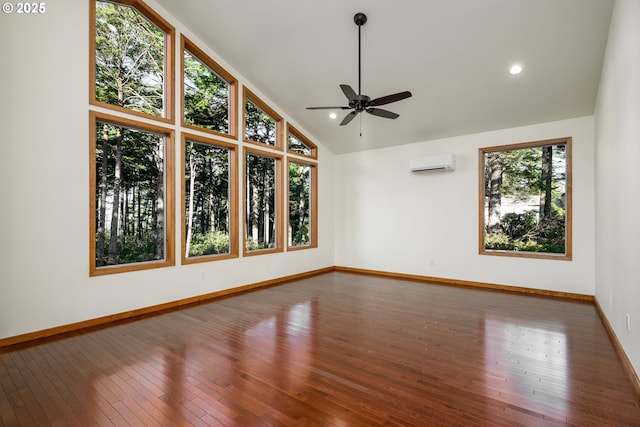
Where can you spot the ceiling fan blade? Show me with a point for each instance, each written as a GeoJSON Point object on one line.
{"type": "Point", "coordinates": [389, 99]}
{"type": "Point", "coordinates": [348, 118]}
{"type": "Point", "coordinates": [348, 92]}
{"type": "Point", "coordinates": [382, 113]}
{"type": "Point", "coordinates": [328, 108]}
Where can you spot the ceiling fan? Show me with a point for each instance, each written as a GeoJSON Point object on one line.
{"type": "Point", "coordinates": [359, 102]}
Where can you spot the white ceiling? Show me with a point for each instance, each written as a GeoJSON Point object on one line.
{"type": "Point", "coordinates": [453, 55]}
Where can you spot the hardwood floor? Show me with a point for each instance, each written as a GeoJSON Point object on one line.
{"type": "Point", "coordinates": [336, 349]}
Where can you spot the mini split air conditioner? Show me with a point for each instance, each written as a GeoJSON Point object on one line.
{"type": "Point", "coordinates": [439, 162]}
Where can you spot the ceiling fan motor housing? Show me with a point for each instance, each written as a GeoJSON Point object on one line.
{"type": "Point", "coordinates": [360, 103]}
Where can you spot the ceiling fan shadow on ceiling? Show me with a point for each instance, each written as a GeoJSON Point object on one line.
{"type": "Point", "coordinates": [359, 102]}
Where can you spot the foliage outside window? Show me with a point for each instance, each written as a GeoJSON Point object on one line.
{"type": "Point", "coordinates": [209, 200]}
{"type": "Point", "coordinates": [131, 195]}
{"type": "Point", "coordinates": [209, 93]}
{"type": "Point", "coordinates": [262, 125]}
{"type": "Point", "coordinates": [299, 144]}
{"type": "Point", "coordinates": [262, 202]}
{"type": "Point", "coordinates": [525, 199]}
{"type": "Point", "coordinates": [302, 218]}
{"type": "Point", "coordinates": [131, 69]}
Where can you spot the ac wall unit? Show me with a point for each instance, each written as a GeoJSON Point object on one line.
{"type": "Point", "coordinates": [439, 162]}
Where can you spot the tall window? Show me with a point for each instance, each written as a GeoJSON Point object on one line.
{"type": "Point", "coordinates": [299, 144]}
{"type": "Point", "coordinates": [209, 93]}
{"type": "Point", "coordinates": [132, 207]}
{"type": "Point", "coordinates": [262, 125]}
{"type": "Point", "coordinates": [262, 202]}
{"type": "Point", "coordinates": [209, 200]}
{"type": "Point", "coordinates": [302, 213]}
{"type": "Point", "coordinates": [525, 199]}
{"type": "Point", "coordinates": [132, 200]}
{"type": "Point", "coordinates": [131, 69]}
{"type": "Point", "coordinates": [131, 195]}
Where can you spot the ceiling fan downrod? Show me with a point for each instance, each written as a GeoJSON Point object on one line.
{"type": "Point", "coordinates": [360, 19]}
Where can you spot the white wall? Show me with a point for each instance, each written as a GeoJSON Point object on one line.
{"type": "Point", "coordinates": [617, 134]}
{"type": "Point", "coordinates": [44, 189]}
{"type": "Point", "coordinates": [390, 219]}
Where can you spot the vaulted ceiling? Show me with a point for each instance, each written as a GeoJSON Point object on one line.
{"type": "Point", "coordinates": [453, 55]}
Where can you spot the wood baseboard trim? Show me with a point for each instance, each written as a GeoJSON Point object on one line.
{"type": "Point", "coordinates": [74, 327]}
{"type": "Point", "coordinates": [469, 284]}
{"type": "Point", "coordinates": [626, 363]}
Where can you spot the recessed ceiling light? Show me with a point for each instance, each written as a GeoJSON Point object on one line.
{"type": "Point", "coordinates": [516, 69]}
{"type": "Point", "coordinates": [332, 115]}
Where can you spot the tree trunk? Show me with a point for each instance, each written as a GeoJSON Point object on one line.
{"type": "Point", "coordinates": [133, 222]}
{"type": "Point", "coordinates": [102, 212]}
{"type": "Point", "coordinates": [124, 210]}
{"type": "Point", "coordinates": [192, 181]}
{"type": "Point", "coordinates": [266, 207]}
{"type": "Point", "coordinates": [302, 211]}
{"type": "Point", "coordinates": [114, 257]}
{"type": "Point", "coordinates": [494, 188]}
{"type": "Point", "coordinates": [160, 220]}
{"type": "Point", "coordinates": [212, 194]}
{"type": "Point", "coordinates": [260, 205]}
{"type": "Point", "coordinates": [546, 179]}
{"type": "Point", "coordinates": [253, 214]}
{"type": "Point", "coordinates": [139, 214]}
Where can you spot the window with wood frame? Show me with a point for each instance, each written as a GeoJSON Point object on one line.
{"type": "Point", "coordinates": [209, 202]}
{"type": "Point", "coordinates": [209, 93]}
{"type": "Point", "coordinates": [261, 124]}
{"type": "Point", "coordinates": [132, 197]}
{"type": "Point", "coordinates": [132, 59]}
{"type": "Point", "coordinates": [299, 144]}
{"type": "Point", "coordinates": [525, 200]}
{"type": "Point", "coordinates": [302, 229]}
{"type": "Point", "coordinates": [263, 215]}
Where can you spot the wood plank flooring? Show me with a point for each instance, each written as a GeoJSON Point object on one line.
{"type": "Point", "coordinates": [333, 350]}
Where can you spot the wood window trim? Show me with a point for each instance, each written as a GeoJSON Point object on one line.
{"type": "Point", "coordinates": [291, 130]}
{"type": "Point", "coordinates": [279, 203]}
{"type": "Point", "coordinates": [169, 70]}
{"type": "Point", "coordinates": [186, 44]}
{"type": "Point", "coordinates": [567, 256]}
{"type": "Point", "coordinates": [233, 199]}
{"type": "Point", "coordinates": [249, 95]}
{"type": "Point", "coordinates": [169, 187]}
{"type": "Point", "coordinates": [314, 205]}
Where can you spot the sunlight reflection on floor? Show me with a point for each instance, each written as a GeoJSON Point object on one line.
{"type": "Point", "coordinates": [527, 365]}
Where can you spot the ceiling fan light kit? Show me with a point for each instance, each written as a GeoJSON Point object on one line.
{"type": "Point", "coordinates": [359, 102]}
